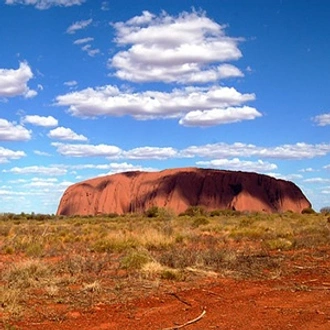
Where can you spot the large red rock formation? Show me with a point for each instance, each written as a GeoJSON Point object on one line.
{"type": "Point", "coordinates": [177, 189]}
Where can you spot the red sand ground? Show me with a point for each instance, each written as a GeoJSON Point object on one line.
{"type": "Point", "coordinates": [300, 300]}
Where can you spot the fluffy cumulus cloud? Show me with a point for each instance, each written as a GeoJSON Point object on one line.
{"type": "Point", "coordinates": [236, 164]}
{"type": "Point", "coordinates": [73, 28]}
{"type": "Point", "coordinates": [63, 133]}
{"type": "Point", "coordinates": [286, 151]}
{"type": "Point", "coordinates": [7, 155]}
{"type": "Point", "coordinates": [108, 151]}
{"type": "Point", "coordinates": [219, 116]}
{"type": "Point", "coordinates": [111, 101]}
{"type": "Point", "coordinates": [45, 4]}
{"type": "Point", "coordinates": [14, 82]}
{"type": "Point", "coordinates": [322, 120]}
{"type": "Point", "coordinates": [86, 150]}
{"type": "Point", "coordinates": [36, 120]}
{"type": "Point", "coordinates": [13, 132]}
{"type": "Point", "coordinates": [189, 48]}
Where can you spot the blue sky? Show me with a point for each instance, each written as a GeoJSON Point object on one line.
{"type": "Point", "coordinates": [89, 88]}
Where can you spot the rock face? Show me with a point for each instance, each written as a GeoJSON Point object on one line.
{"type": "Point", "coordinates": [177, 189]}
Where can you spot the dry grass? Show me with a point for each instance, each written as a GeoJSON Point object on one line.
{"type": "Point", "coordinates": [81, 261]}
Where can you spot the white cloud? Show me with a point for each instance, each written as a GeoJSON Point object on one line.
{"type": "Point", "coordinates": [78, 26]}
{"type": "Point", "coordinates": [71, 83]}
{"type": "Point", "coordinates": [48, 121]}
{"type": "Point", "coordinates": [125, 167]}
{"type": "Point", "coordinates": [5, 193]}
{"type": "Point", "coordinates": [236, 164]}
{"type": "Point", "coordinates": [113, 167]}
{"type": "Point", "coordinates": [45, 4]}
{"type": "Point", "coordinates": [41, 170]}
{"type": "Point", "coordinates": [109, 100]}
{"type": "Point", "coordinates": [86, 46]}
{"type": "Point", "coordinates": [41, 183]}
{"type": "Point", "coordinates": [90, 51]}
{"type": "Point", "coordinates": [325, 192]}
{"type": "Point", "coordinates": [287, 151]}
{"type": "Point", "coordinates": [105, 6]}
{"type": "Point", "coordinates": [308, 169]}
{"type": "Point", "coordinates": [7, 155]}
{"type": "Point", "coordinates": [30, 93]}
{"type": "Point", "coordinates": [83, 41]}
{"type": "Point", "coordinates": [292, 177]}
{"type": "Point", "coordinates": [86, 150]}
{"type": "Point", "coordinates": [219, 116]}
{"type": "Point", "coordinates": [12, 132]}
{"type": "Point", "coordinates": [63, 133]}
{"type": "Point", "coordinates": [14, 82]}
{"type": "Point", "coordinates": [209, 151]}
{"type": "Point", "coordinates": [150, 153]}
{"type": "Point", "coordinates": [182, 49]}
{"type": "Point", "coordinates": [322, 120]}
{"type": "Point", "coordinates": [318, 180]}
{"type": "Point", "coordinates": [41, 153]}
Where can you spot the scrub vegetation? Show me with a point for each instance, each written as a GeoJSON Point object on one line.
{"type": "Point", "coordinates": [82, 261]}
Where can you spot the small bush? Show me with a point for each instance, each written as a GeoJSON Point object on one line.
{"type": "Point", "coordinates": [325, 210]}
{"type": "Point", "coordinates": [225, 212]}
{"type": "Point", "coordinates": [200, 221]}
{"type": "Point", "coordinates": [112, 215]}
{"type": "Point", "coordinates": [171, 274]}
{"type": "Point", "coordinates": [193, 211]}
{"type": "Point", "coordinates": [308, 210]}
{"type": "Point", "coordinates": [34, 250]}
{"type": "Point", "coordinates": [8, 250]}
{"type": "Point", "coordinates": [27, 274]}
{"type": "Point", "coordinates": [134, 260]}
{"type": "Point", "coordinates": [152, 212]}
{"type": "Point", "coordinates": [278, 244]}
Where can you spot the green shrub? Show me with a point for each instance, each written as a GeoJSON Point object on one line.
{"type": "Point", "coordinates": [225, 212]}
{"type": "Point", "coordinates": [152, 212]}
{"type": "Point", "coordinates": [200, 221]}
{"type": "Point", "coordinates": [193, 211]}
